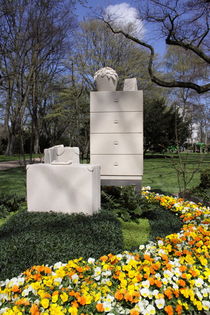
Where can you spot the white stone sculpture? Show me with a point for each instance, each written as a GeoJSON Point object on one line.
{"type": "Point", "coordinates": [106, 79]}
{"type": "Point", "coordinates": [130, 85]}
{"type": "Point", "coordinates": [116, 134]}
{"type": "Point", "coordinates": [61, 155]}
{"type": "Point", "coordinates": [68, 189]}
{"type": "Point", "coordinates": [61, 184]}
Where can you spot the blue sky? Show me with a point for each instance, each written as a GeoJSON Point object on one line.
{"type": "Point", "coordinates": [92, 9]}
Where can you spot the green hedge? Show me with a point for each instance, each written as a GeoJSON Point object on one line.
{"type": "Point", "coordinates": [162, 222]}
{"type": "Point", "coordinates": [45, 238]}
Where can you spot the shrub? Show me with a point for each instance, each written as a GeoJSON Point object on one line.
{"type": "Point", "coordinates": [205, 179]}
{"type": "Point", "coordinates": [163, 222]}
{"type": "Point", "coordinates": [124, 202]}
{"type": "Point", "coordinates": [10, 203]}
{"type": "Point", "coordinates": [44, 238]}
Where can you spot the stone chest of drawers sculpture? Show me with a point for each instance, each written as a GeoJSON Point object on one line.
{"type": "Point", "coordinates": [116, 136]}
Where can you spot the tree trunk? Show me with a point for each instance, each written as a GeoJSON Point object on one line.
{"type": "Point", "coordinates": [36, 142]}
{"type": "Point", "coordinates": [10, 144]}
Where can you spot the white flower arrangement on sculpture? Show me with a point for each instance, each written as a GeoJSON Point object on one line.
{"type": "Point", "coordinates": [106, 79]}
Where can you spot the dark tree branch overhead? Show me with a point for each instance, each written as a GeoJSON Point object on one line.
{"type": "Point", "coordinates": [184, 84]}
{"type": "Point", "coordinates": [185, 24]}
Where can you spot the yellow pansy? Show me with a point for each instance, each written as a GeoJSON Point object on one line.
{"type": "Point", "coordinates": [45, 303]}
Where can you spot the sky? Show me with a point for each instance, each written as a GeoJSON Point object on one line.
{"type": "Point", "coordinates": [124, 8]}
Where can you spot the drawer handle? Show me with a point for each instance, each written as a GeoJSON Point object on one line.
{"type": "Point", "coordinates": [116, 121]}
{"type": "Point", "coordinates": [116, 100]}
{"type": "Point", "coordinates": [116, 142]}
{"type": "Point", "coordinates": [115, 163]}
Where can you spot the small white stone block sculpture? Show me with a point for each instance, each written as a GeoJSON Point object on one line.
{"type": "Point", "coordinates": [61, 155]}
{"type": "Point", "coordinates": [106, 79]}
{"type": "Point", "coordinates": [68, 189]}
{"type": "Point", "coordinates": [130, 85]}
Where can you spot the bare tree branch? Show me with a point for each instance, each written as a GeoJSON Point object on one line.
{"type": "Point", "coordinates": [175, 83]}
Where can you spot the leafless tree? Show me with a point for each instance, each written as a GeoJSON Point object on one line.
{"type": "Point", "coordinates": [32, 44]}
{"type": "Point", "coordinates": [182, 23]}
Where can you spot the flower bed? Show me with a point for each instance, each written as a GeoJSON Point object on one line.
{"type": "Point", "coordinates": [169, 276]}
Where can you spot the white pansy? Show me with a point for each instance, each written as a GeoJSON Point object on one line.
{"type": "Point", "coordinates": [145, 284]}
{"type": "Point", "coordinates": [109, 298]}
{"type": "Point", "coordinates": [160, 243]}
{"type": "Point", "coordinates": [177, 272]}
{"type": "Point", "coordinates": [158, 276]}
{"type": "Point", "coordinates": [59, 265]}
{"type": "Point", "coordinates": [199, 282]}
{"type": "Point", "coordinates": [167, 274]}
{"type": "Point", "coordinates": [97, 273]}
{"type": "Point", "coordinates": [106, 273]}
{"type": "Point", "coordinates": [145, 292]}
{"type": "Point", "coordinates": [91, 260]}
{"type": "Point", "coordinates": [75, 278]}
{"type": "Point", "coordinates": [160, 303]}
{"type": "Point", "coordinates": [155, 293]}
{"type": "Point", "coordinates": [4, 296]}
{"type": "Point", "coordinates": [58, 280]}
{"type": "Point", "coordinates": [150, 310]}
{"type": "Point", "coordinates": [26, 291]}
{"type": "Point", "coordinates": [165, 280]}
{"type": "Point", "coordinates": [206, 305]}
{"type": "Point", "coordinates": [3, 310]}
{"type": "Point", "coordinates": [175, 286]}
{"type": "Point", "coordinates": [15, 281]}
{"type": "Point", "coordinates": [107, 306]}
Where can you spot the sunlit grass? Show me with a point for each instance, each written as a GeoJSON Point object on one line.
{"type": "Point", "coordinates": [13, 181]}
{"type": "Point", "coordinates": [159, 173]}
{"type": "Point", "coordinates": [135, 234]}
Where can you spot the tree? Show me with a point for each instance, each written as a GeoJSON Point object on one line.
{"type": "Point", "coordinates": [31, 49]}
{"type": "Point", "coordinates": [162, 126]}
{"type": "Point", "coordinates": [183, 23]}
{"type": "Point", "coordinates": [192, 106]}
{"type": "Point", "coordinates": [96, 47]}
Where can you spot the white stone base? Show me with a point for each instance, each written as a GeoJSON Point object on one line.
{"type": "Point", "coordinates": [63, 188]}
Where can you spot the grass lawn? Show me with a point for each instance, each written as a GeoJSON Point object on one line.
{"type": "Point", "coordinates": [13, 181]}
{"type": "Point", "coordinates": [17, 157]}
{"type": "Point", "coordinates": [160, 174]}
{"type": "Point", "coordinates": [135, 233]}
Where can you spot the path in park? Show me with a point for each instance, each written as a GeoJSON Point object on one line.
{"type": "Point", "coordinates": [13, 164]}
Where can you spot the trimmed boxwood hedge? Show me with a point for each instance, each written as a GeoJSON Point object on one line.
{"type": "Point", "coordinates": [45, 238]}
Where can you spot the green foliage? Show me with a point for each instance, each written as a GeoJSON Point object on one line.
{"type": "Point", "coordinates": [205, 179]}
{"type": "Point", "coordinates": [122, 201]}
{"type": "Point", "coordinates": [141, 220]}
{"type": "Point", "coordinates": [10, 203]}
{"type": "Point", "coordinates": [46, 238]}
{"type": "Point", "coordinates": [160, 125]}
{"type": "Point", "coordinates": [126, 203]}
{"type": "Point", "coordinates": [201, 193]}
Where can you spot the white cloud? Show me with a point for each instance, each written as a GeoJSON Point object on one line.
{"type": "Point", "coordinates": [123, 16]}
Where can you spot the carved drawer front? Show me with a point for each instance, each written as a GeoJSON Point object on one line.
{"type": "Point", "coordinates": [119, 164]}
{"type": "Point", "coordinates": [116, 143]}
{"type": "Point", "coordinates": [116, 101]}
{"type": "Point", "coordinates": [116, 122]}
